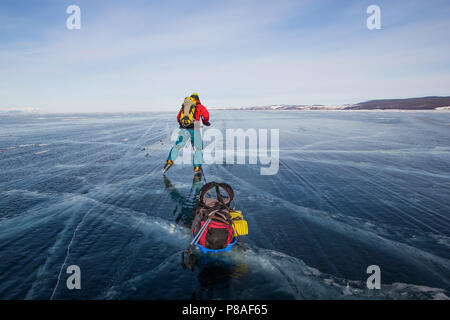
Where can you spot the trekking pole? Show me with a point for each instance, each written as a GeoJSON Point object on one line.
{"type": "Point", "coordinates": [200, 233]}
{"type": "Point", "coordinates": [202, 229]}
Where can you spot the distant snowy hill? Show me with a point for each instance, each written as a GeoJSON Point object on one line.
{"type": "Point", "coordinates": [299, 107]}
{"type": "Point", "coordinates": [424, 103]}
{"type": "Point", "coordinates": [19, 110]}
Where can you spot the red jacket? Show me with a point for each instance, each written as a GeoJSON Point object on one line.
{"type": "Point", "coordinates": [200, 111]}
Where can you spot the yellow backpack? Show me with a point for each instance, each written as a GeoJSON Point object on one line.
{"type": "Point", "coordinates": [187, 112]}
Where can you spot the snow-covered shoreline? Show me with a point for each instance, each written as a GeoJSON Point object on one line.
{"type": "Point", "coordinates": [446, 109]}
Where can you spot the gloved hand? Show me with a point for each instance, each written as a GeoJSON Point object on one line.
{"type": "Point", "coordinates": [207, 124]}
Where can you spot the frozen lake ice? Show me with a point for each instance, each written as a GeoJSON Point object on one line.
{"type": "Point", "coordinates": [353, 189]}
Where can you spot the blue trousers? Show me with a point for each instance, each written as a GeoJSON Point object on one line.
{"type": "Point", "coordinates": [196, 141]}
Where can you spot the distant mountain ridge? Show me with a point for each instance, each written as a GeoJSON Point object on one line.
{"type": "Point", "coordinates": [422, 103]}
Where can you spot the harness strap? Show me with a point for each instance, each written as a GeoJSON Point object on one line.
{"type": "Point", "coordinates": [220, 220]}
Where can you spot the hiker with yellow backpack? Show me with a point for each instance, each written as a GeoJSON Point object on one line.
{"type": "Point", "coordinates": [189, 120]}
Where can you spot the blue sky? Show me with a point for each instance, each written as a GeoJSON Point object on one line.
{"type": "Point", "coordinates": [148, 55]}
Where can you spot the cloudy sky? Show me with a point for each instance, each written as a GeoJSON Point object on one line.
{"type": "Point", "coordinates": [148, 55]}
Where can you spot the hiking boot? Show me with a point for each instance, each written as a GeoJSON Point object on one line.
{"type": "Point", "coordinates": [167, 166]}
